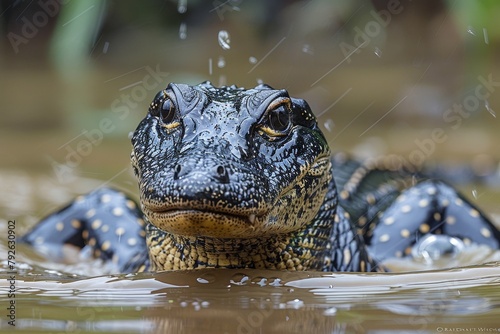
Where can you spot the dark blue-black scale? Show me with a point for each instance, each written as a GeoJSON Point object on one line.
{"type": "Point", "coordinates": [78, 221]}
{"type": "Point", "coordinates": [435, 207]}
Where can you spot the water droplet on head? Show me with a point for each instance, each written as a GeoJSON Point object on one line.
{"type": "Point", "coordinates": [378, 52]}
{"type": "Point", "coordinates": [252, 60]}
{"type": "Point", "coordinates": [183, 31]}
{"type": "Point", "coordinates": [182, 6]}
{"type": "Point", "coordinates": [224, 40]}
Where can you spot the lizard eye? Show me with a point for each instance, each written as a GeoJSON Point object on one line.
{"type": "Point", "coordinates": [164, 109]}
{"type": "Point", "coordinates": [276, 122]}
{"type": "Point", "coordinates": [279, 118]}
{"type": "Point", "coordinates": [167, 111]}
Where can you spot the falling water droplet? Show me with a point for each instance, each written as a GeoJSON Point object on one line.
{"type": "Point", "coordinates": [105, 48]}
{"type": "Point", "coordinates": [329, 125]}
{"type": "Point", "coordinates": [210, 66]}
{"type": "Point", "coordinates": [234, 6]}
{"type": "Point", "coordinates": [378, 52]}
{"type": "Point", "coordinates": [491, 111]}
{"type": "Point", "coordinates": [222, 80]}
{"type": "Point", "coordinates": [471, 31]}
{"type": "Point", "coordinates": [252, 60]}
{"type": "Point", "coordinates": [474, 193]}
{"type": "Point", "coordinates": [182, 6]}
{"type": "Point", "coordinates": [183, 31]}
{"type": "Point", "coordinates": [486, 39]}
{"type": "Point", "coordinates": [260, 81]}
{"type": "Point", "coordinates": [306, 48]}
{"type": "Point", "coordinates": [224, 40]}
{"type": "Point", "coordinates": [221, 62]}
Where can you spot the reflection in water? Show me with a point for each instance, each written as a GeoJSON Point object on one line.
{"type": "Point", "coordinates": [246, 301]}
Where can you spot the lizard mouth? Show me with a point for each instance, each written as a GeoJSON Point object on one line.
{"type": "Point", "coordinates": [205, 223]}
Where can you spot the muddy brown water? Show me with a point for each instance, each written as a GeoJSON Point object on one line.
{"type": "Point", "coordinates": [83, 298]}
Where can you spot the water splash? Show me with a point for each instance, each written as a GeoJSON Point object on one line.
{"type": "Point", "coordinates": [182, 6]}
{"type": "Point", "coordinates": [239, 279]}
{"type": "Point", "coordinates": [206, 278]}
{"type": "Point", "coordinates": [252, 60]}
{"type": "Point", "coordinates": [490, 110]}
{"type": "Point", "coordinates": [378, 52]}
{"type": "Point", "coordinates": [224, 39]}
{"type": "Point", "coordinates": [262, 281]}
{"type": "Point", "coordinates": [183, 31]}
{"type": "Point", "coordinates": [432, 248]}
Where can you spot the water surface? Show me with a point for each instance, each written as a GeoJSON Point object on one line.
{"type": "Point", "coordinates": [83, 297]}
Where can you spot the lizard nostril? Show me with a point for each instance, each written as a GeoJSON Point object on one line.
{"type": "Point", "coordinates": [177, 170]}
{"type": "Point", "coordinates": [223, 174]}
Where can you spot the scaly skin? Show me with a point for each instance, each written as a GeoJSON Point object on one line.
{"type": "Point", "coordinates": [236, 178]}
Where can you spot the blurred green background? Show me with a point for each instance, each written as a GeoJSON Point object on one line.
{"type": "Point", "coordinates": [383, 76]}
